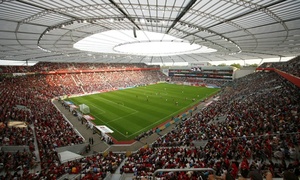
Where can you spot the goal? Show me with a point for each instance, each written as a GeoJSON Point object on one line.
{"type": "Point", "coordinates": [84, 109]}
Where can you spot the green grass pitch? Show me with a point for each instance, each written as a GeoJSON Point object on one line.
{"type": "Point", "coordinates": [129, 112]}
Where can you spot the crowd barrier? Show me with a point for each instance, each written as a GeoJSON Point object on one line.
{"type": "Point", "coordinates": [175, 120]}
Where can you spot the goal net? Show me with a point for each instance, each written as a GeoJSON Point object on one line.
{"type": "Point", "coordinates": [84, 109]}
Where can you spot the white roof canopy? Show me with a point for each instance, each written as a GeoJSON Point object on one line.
{"type": "Point", "coordinates": [42, 30]}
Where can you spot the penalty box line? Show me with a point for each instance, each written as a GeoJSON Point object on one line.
{"type": "Point", "coordinates": [94, 105]}
{"type": "Point", "coordinates": [159, 121]}
{"type": "Point", "coordinates": [116, 119]}
{"type": "Point", "coordinates": [117, 103]}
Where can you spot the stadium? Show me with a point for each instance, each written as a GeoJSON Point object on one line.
{"type": "Point", "coordinates": [119, 90]}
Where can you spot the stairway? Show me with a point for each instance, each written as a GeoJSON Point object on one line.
{"type": "Point", "coordinates": [116, 175]}
{"type": "Point", "coordinates": [36, 152]}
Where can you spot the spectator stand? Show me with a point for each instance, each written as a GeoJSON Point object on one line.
{"type": "Point", "coordinates": [17, 160]}
{"type": "Point", "coordinates": [33, 87]}
{"type": "Point", "coordinates": [19, 152]}
{"type": "Point", "coordinates": [187, 114]}
{"type": "Point", "coordinates": [98, 165]}
{"type": "Point", "coordinates": [253, 99]}
{"type": "Point", "coordinates": [228, 140]}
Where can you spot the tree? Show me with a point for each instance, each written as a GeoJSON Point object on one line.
{"type": "Point", "coordinates": [222, 64]}
{"type": "Point", "coordinates": [236, 65]}
{"type": "Point", "coordinates": [253, 65]}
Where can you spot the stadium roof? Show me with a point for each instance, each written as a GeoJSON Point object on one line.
{"type": "Point", "coordinates": [43, 30]}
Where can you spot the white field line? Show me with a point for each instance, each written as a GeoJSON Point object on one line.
{"type": "Point", "coordinates": [105, 123]}
{"type": "Point", "coordinates": [116, 119]}
{"type": "Point", "coordinates": [137, 132]}
{"type": "Point", "coordinates": [113, 102]}
{"type": "Point", "coordinates": [135, 111]}
{"type": "Point", "coordinates": [96, 107]}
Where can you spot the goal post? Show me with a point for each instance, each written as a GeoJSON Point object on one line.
{"type": "Point", "coordinates": [84, 108]}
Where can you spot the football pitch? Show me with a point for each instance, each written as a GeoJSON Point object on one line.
{"type": "Point", "coordinates": [132, 111]}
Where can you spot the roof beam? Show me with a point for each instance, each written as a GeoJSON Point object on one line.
{"type": "Point", "coordinates": [249, 12]}
{"type": "Point", "coordinates": [41, 7]}
{"type": "Point", "coordinates": [124, 13]}
{"type": "Point", "coordinates": [182, 13]}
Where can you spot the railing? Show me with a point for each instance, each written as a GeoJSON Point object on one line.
{"type": "Point", "coordinates": [14, 149]}
{"type": "Point", "coordinates": [108, 176]}
{"type": "Point", "coordinates": [123, 176]}
{"type": "Point", "coordinates": [180, 170]}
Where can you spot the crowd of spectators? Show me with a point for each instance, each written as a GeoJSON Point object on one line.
{"type": "Point", "coordinates": [15, 136]}
{"type": "Point", "coordinates": [71, 67]}
{"type": "Point", "coordinates": [33, 93]}
{"type": "Point", "coordinates": [50, 127]}
{"type": "Point", "coordinates": [144, 134]}
{"type": "Point", "coordinates": [261, 128]}
{"type": "Point", "coordinates": [17, 161]}
{"type": "Point", "coordinates": [104, 81]}
{"type": "Point", "coordinates": [292, 66]}
{"type": "Point", "coordinates": [96, 166]}
{"type": "Point", "coordinates": [200, 81]}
